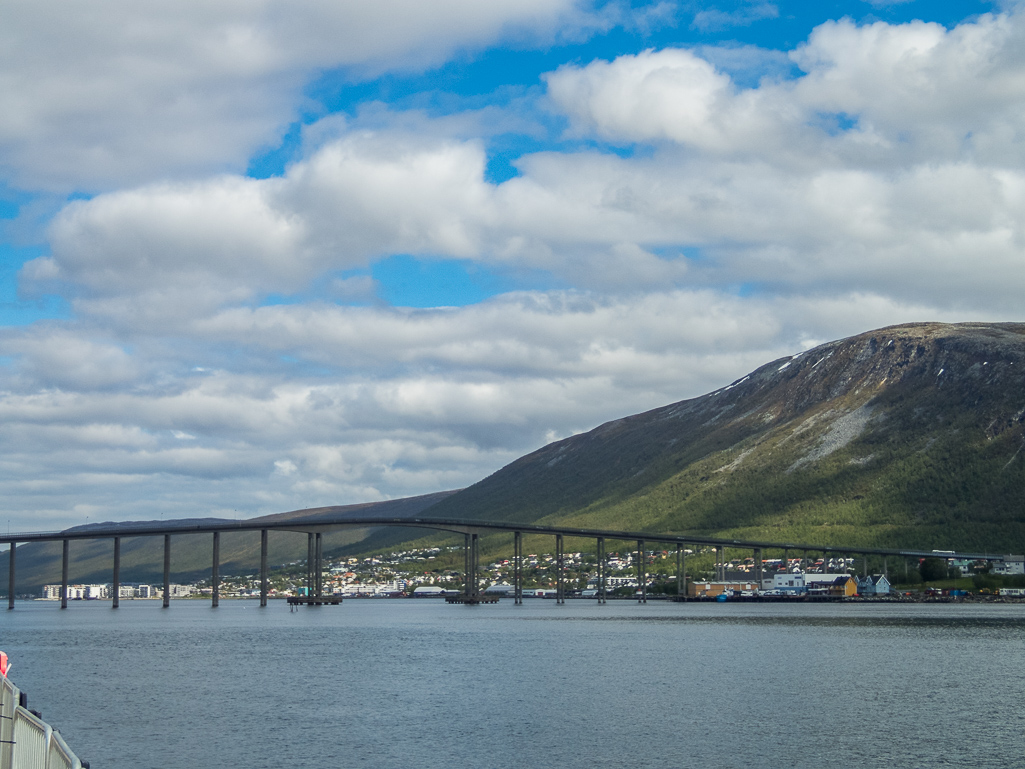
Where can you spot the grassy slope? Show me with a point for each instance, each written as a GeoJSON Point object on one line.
{"type": "Point", "coordinates": [936, 465]}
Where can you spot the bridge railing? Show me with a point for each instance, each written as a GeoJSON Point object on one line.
{"type": "Point", "coordinates": [28, 742]}
{"type": "Point", "coordinates": [9, 695]}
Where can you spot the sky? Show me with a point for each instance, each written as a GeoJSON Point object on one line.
{"type": "Point", "coordinates": [258, 256]}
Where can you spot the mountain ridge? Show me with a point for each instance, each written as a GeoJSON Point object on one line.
{"type": "Point", "coordinates": [830, 433]}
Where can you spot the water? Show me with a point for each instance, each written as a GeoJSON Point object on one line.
{"type": "Point", "coordinates": [417, 683]}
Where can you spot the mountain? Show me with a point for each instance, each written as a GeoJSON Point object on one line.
{"type": "Point", "coordinates": [90, 561]}
{"type": "Point", "coordinates": [911, 435]}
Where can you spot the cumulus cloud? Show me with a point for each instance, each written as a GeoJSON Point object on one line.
{"type": "Point", "coordinates": [117, 92]}
{"type": "Point", "coordinates": [868, 167]}
{"type": "Point", "coordinates": [913, 92]}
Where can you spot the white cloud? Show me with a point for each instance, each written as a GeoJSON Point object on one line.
{"type": "Point", "coordinates": [115, 92]}
{"type": "Point", "coordinates": [745, 15]}
{"type": "Point", "coordinates": [917, 92]}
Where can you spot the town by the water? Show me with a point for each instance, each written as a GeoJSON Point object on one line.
{"type": "Point", "coordinates": [409, 574]}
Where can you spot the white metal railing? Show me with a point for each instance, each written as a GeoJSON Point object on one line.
{"type": "Point", "coordinates": [9, 696]}
{"type": "Point", "coordinates": [60, 755]}
{"type": "Point", "coordinates": [28, 742]}
{"type": "Point", "coordinates": [31, 740]}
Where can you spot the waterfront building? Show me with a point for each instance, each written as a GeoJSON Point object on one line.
{"type": "Point", "coordinates": [831, 584]}
{"type": "Point", "coordinates": [77, 592]}
{"type": "Point", "coordinates": [789, 582]}
{"type": "Point", "coordinates": [874, 584]}
{"type": "Point", "coordinates": [715, 589]}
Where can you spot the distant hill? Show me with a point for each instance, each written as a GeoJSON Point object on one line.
{"type": "Point", "coordinates": [907, 436]}
{"type": "Point", "coordinates": [191, 554]}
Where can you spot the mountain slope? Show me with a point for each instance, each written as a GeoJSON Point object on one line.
{"type": "Point", "coordinates": [909, 435]}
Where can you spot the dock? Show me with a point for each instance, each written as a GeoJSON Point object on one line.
{"type": "Point", "coordinates": [471, 600]}
{"type": "Point", "coordinates": [314, 600]}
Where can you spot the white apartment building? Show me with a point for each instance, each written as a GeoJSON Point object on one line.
{"type": "Point", "coordinates": [77, 592]}
{"type": "Point", "coordinates": [1011, 564]}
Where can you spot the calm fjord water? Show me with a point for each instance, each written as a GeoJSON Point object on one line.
{"type": "Point", "coordinates": [417, 683]}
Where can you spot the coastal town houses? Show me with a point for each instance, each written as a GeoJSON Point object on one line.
{"type": "Point", "coordinates": [1009, 565]}
{"type": "Point", "coordinates": [874, 584]}
{"type": "Point", "coordinates": [836, 585]}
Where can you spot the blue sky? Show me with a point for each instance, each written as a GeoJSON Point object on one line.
{"type": "Point", "coordinates": [259, 258]}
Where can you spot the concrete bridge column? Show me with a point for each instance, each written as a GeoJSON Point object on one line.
{"type": "Point", "coordinates": [758, 566]}
{"type": "Point", "coordinates": [470, 581]}
{"type": "Point", "coordinates": [642, 572]}
{"type": "Point", "coordinates": [517, 568]}
{"type": "Point", "coordinates": [601, 570]}
{"type": "Point", "coordinates": [475, 563]}
{"type": "Point", "coordinates": [263, 567]}
{"type": "Point", "coordinates": [786, 560]}
{"type": "Point", "coordinates": [864, 564]}
{"type": "Point", "coordinates": [167, 570]}
{"type": "Point", "coordinates": [681, 572]}
{"type": "Point", "coordinates": [115, 585]}
{"type": "Point", "coordinates": [10, 577]}
{"type": "Point", "coordinates": [318, 565]}
{"type": "Point", "coordinates": [64, 576]}
{"type": "Point", "coordinates": [560, 562]}
{"type": "Point", "coordinates": [310, 555]}
{"type": "Point", "coordinates": [215, 572]}
{"type": "Point", "coordinates": [825, 562]}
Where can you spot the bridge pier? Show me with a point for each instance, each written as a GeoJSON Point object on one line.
{"type": "Point", "coordinates": [474, 565]}
{"type": "Point", "coordinates": [786, 561]}
{"type": "Point", "coordinates": [471, 586]}
{"type": "Point", "coordinates": [263, 567]}
{"type": "Point", "coordinates": [517, 568]}
{"type": "Point", "coordinates": [10, 577]}
{"type": "Point", "coordinates": [560, 586]}
{"type": "Point", "coordinates": [64, 575]}
{"type": "Point", "coordinates": [215, 573]}
{"type": "Point", "coordinates": [318, 574]}
{"type": "Point", "coordinates": [825, 562]}
{"type": "Point", "coordinates": [115, 585]}
{"type": "Point", "coordinates": [681, 573]}
{"type": "Point", "coordinates": [167, 571]}
{"type": "Point", "coordinates": [642, 572]}
{"type": "Point", "coordinates": [601, 570]}
{"type": "Point", "coordinates": [309, 564]}
{"type": "Point", "coordinates": [758, 566]}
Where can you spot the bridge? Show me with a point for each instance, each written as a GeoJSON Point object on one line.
{"type": "Point", "coordinates": [316, 524]}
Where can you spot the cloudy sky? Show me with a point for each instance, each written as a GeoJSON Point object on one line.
{"type": "Point", "coordinates": [260, 255]}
